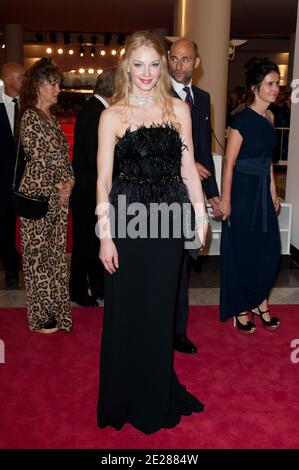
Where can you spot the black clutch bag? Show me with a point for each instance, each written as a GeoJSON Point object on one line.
{"type": "Point", "coordinates": [29, 207]}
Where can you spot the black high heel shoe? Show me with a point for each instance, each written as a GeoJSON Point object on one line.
{"type": "Point", "coordinates": [271, 324]}
{"type": "Point", "coordinates": [247, 328]}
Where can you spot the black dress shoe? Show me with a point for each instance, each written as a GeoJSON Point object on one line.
{"type": "Point", "coordinates": [11, 280]}
{"type": "Point", "coordinates": [85, 301]}
{"type": "Point", "coordinates": [97, 292]}
{"type": "Point", "coordinates": [183, 344]}
{"type": "Point", "coordinates": [97, 295]}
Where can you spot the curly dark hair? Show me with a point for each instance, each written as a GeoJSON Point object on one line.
{"type": "Point", "coordinates": [41, 70]}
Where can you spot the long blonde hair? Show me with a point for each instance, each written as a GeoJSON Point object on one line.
{"type": "Point", "coordinates": [123, 85]}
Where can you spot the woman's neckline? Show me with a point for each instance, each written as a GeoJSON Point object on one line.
{"type": "Point", "coordinates": [256, 112]}
{"type": "Point", "coordinates": [50, 118]}
{"type": "Point", "coordinates": [153, 125]}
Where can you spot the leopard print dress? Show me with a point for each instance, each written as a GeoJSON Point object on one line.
{"type": "Point", "coordinates": [44, 240]}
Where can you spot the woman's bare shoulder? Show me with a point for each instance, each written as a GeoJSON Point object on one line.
{"type": "Point", "coordinates": [110, 115]}
{"type": "Point", "coordinates": [179, 106]}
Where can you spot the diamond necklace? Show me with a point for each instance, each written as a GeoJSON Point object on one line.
{"type": "Point", "coordinates": [141, 100]}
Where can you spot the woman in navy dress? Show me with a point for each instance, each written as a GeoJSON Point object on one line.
{"type": "Point", "coordinates": [250, 243]}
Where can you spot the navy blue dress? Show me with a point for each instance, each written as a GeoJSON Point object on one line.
{"type": "Point", "coordinates": [250, 241]}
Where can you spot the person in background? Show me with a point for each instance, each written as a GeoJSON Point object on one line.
{"type": "Point", "coordinates": [183, 59]}
{"type": "Point", "coordinates": [48, 172]}
{"type": "Point", "coordinates": [250, 241]}
{"type": "Point", "coordinates": [12, 75]}
{"type": "Point", "coordinates": [87, 271]}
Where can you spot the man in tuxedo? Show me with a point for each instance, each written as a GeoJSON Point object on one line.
{"type": "Point", "coordinates": [86, 270]}
{"type": "Point", "coordinates": [183, 60]}
{"type": "Point", "coordinates": [12, 75]}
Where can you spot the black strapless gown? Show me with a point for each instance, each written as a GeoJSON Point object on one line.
{"type": "Point", "coordinates": [137, 382]}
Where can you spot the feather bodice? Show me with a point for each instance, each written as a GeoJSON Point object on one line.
{"type": "Point", "coordinates": [147, 166]}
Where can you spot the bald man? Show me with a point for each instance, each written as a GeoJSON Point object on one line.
{"type": "Point", "coordinates": [12, 75]}
{"type": "Point", "coordinates": [183, 59]}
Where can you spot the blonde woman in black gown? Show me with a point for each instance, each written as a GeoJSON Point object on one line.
{"type": "Point", "coordinates": [250, 243]}
{"type": "Point", "coordinates": [146, 144]}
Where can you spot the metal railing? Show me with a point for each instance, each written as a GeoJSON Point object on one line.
{"type": "Point", "coordinates": [281, 150]}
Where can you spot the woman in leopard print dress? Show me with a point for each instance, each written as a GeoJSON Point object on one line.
{"type": "Point", "coordinates": [48, 172]}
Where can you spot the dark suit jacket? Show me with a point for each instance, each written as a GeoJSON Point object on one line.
{"type": "Point", "coordinates": [85, 154]}
{"type": "Point", "coordinates": [8, 151]}
{"type": "Point", "coordinates": [202, 138]}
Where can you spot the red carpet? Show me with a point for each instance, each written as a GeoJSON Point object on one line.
{"type": "Point", "coordinates": [49, 386]}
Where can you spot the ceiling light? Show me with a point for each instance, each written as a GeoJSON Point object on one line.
{"type": "Point", "coordinates": [91, 71]}
{"type": "Point", "coordinates": [81, 51]}
{"type": "Point", "coordinates": [103, 52]}
{"type": "Point", "coordinates": [71, 52]}
{"type": "Point", "coordinates": [113, 52]}
{"type": "Point", "coordinates": [60, 51]}
{"type": "Point", "coordinates": [81, 70]}
{"type": "Point", "coordinates": [100, 71]}
{"type": "Point", "coordinates": [49, 50]}
{"type": "Point", "coordinates": [92, 51]}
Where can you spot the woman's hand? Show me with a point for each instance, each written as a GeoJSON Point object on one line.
{"type": "Point", "coordinates": [225, 208]}
{"type": "Point", "coordinates": [70, 184]}
{"type": "Point", "coordinates": [276, 201]}
{"type": "Point", "coordinates": [108, 255]}
{"type": "Point", "coordinates": [64, 191]}
{"type": "Point", "coordinates": [203, 232]}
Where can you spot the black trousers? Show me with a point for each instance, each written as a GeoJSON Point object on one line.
{"type": "Point", "coordinates": [8, 252]}
{"type": "Point", "coordinates": [87, 270]}
{"type": "Point", "coordinates": [182, 305]}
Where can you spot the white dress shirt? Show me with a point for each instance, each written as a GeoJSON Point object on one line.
{"type": "Point", "coordinates": [105, 103]}
{"type": "Point", "coordinates": [10, 109]}
{"type": "Point", "coordinates": [178, 88]}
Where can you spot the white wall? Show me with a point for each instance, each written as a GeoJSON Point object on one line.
{"type": "Point", "coordinates": [292, 189]}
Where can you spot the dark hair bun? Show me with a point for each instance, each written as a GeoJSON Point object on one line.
{"type": "Point", "coordinates": [46, 60]}
{"type": "Point", "coordinates": [252, 63]}
{"type": "Point", "coordinates": [256, 70]}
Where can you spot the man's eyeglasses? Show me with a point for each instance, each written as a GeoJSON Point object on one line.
{"type": "Point", "coordinates": [183, 60]}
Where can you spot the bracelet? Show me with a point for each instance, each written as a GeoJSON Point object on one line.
{"type": "Point", "coordinates": [202, 219]}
